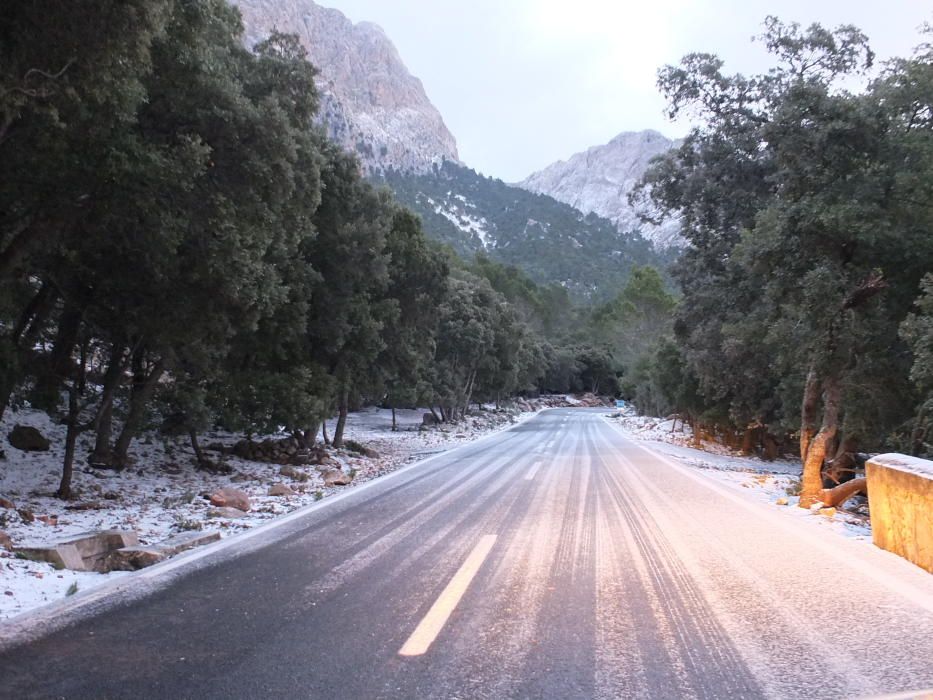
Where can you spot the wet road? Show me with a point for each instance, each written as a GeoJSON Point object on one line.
{"type": "Point", "coordinates": [554, 560]}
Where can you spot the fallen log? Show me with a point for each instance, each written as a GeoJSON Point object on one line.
{"type": "Point", "coordinates": [838, 495]}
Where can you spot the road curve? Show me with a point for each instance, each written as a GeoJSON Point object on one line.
{"type": "Point", "coordinates": [557, 559]}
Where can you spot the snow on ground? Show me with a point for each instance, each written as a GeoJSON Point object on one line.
{"type": "Point", "coordinates": [767, 482]}
{"type": "Point", "coordinates": [163, 494]}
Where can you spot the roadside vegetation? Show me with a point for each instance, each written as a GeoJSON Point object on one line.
{"type": "Point", "coordinates": [182, 249]}
{"type": "Point", "coordinates": [804, 321]}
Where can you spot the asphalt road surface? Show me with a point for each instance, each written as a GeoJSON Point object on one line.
{"type": "Point", "coordinates": [554, 560]}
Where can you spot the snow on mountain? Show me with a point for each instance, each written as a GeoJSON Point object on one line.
{"type": "Point", "coordinates": [370, 103]}
{"type": "Point", "coordinates": [462, 213]}
{"type": "Point", "coordinates": [599, 181]}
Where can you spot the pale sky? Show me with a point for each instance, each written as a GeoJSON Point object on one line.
{"type": "Point", "coordinates": [522, 83]}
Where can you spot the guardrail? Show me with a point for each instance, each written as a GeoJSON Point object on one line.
{"type": "Point", "coordinates": [900, 498]}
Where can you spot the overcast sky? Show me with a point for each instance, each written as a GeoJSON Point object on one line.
{"type": "Point", "coordinates": [522, 83]}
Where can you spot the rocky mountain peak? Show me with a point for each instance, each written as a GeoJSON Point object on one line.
{"type": "Point", "coordinates": [599, 180]}
{"type": "Point", "coordinates": [370, 103]}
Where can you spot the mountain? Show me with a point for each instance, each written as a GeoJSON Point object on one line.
{"type": "Point", "coordinates": [551, 241]}
{"type": "Point", "coordinates": [370, 103]}
{"type": "Point", "coordinates": [599, 180]}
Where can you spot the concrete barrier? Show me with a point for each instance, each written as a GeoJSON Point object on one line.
{"type": "Point", "coordinates": [900, 498]}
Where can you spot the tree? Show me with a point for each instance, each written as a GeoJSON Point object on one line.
{"type": "Point", "coordinates": [793, 197]}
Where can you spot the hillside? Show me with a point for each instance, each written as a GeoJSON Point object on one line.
{"type": "Point", "coordinates": [551, 241]}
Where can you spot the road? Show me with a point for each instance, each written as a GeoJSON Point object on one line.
{"type": "Point", "coordinates": [557, 559]}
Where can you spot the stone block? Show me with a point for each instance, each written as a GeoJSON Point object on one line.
{"type": "Point", "coordinates": [188, 540]}
{"type": "Point", "coordinates": [61, 556]}
{"type": "Point", "coordinates": [900, 499]}
{"type": "Point", "coordinates": [132, 558]}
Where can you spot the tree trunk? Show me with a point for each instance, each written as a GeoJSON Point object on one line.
{"type": "Point", "coordinates": [437, 418]}
{"type": "Point", "coordinates": [394, 421]}
{"type": "Point", "coordinates": [59, 363]}
{"type": "Point", "coordinates": [307, 437]}
{"type": "Point", "coordinates": [342, 408]}
{"type": "Point", "coordinates": [811, 483]}
{"type": "Point", "coordinates": [71, 439]}
{"type": "Point", "coordinates": [143, 389]}
{"type": "Point", "coordinates": [838, 495]}
{"type": "Point", "coordinates": [196, 446]}
{"type": "Point", "coordinates": [103, 421]}
{"type": "Point", "coordinates": [808, 412]}
{"type": "Point", "coordinates": [843, 464]}
{"type": "Point", "coordinates": [471, 384]}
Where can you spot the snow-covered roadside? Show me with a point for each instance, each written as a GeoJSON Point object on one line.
{"type": "Point", "coordinates": [775, 483]}
{"type": "Point", "coordinates": [164, 495]}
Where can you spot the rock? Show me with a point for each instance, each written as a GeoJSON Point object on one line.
{"type": "Point", "coordinates": [48, 519]}
{"type": "Point", "coordinates": [828, 512]}
{"type": "Point", "coordinates": [188, 540]}
{"type": "Point", "coordinates": [61, 556]}
{"type": "Point", "coordinates": [133, 558]}
{"type": "Point", "coordinates": [228, 513]}
{"type": "Point", "coordinates": [5, 541]}
{"type": "Point", "coordinates": [781, 502]}
{"type": "Point", "coordinates": [28, 439]}
{"type": "Point", "coordinates": [27, 515]}
{"type": "Point", "coordinates": [230, 498]}
{"type": "Point", "coordinates": [370, 104]}
{"type": "Point", "coordinates": [6, 503]}
{"type": "Point", "coordinates": [290, 472]}
{"type": "Point", "coordinates": [87, 505]}
{"type": "Point", "coordinates": [336, 477]}
{"type": "Point", "coordinates": [244, 449]}
{"type": "Point", "coordinates": [281, 490]}
{"type": "Point", "coordinates": [429, 419]}
{"type": "Point", "coordinates": [599, 180]}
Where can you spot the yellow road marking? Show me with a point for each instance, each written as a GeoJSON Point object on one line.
{"type": "Point", "coordinates": [432, 624]}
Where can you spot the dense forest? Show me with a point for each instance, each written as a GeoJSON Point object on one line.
{"type": "Point", "coordinates": [805, 312]}
{"type": "Point", "coordinates": [181, 247]}
{"type": "Point", "coordinates": [550, 241]}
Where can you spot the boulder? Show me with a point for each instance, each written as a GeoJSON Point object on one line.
{"type": "Point", "coordinates": [28, 439]}
{"type": "Point", "coordinates": [133, 558]}
{"type": "Point", "coordinates": [27, 515]}
{"type": "Point", "coordinates": [7, 503]}
{"type": "Point", "coordinates": [429, 419]}
{"type": "Point", "coordinates": [188, 540]}
{"type": "Point", "coordinates": [336, 477]}
{"type": "Point", "coordinates": [5, 541]}
{"type": "Point", "coordinates": [227, 513]}
{"type": "Point", "coordinates": [61, 556]}
{"type": "Point", "coordinates": [281, 490]}
{"type": "Point", "coordinates": [230, 498]}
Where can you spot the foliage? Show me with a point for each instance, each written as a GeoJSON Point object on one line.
{"type": "Point", "coordinates": [803, 206]}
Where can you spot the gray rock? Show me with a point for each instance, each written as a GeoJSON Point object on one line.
{"type": "Point", "coordinates": [28, 439]}
{"type": "Point", "coordinates": [230, 498]}
{"type": "Point", "coordinates": [226, 513]}
{"type": "Point", "coordinates": [59, 556]}
{"type": "Point", "coordinates": [281, 490]}
{"type": "Point", "coordinates": [336, 477]}
{"type": "Point", "coordinates": [188, 540]}
{"type": "Point", "coordinates": [5, 541]}
{"type": "Point", "coordinates": [86, 552]}
{"type": "Point", "coordinates": [134, 558]}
